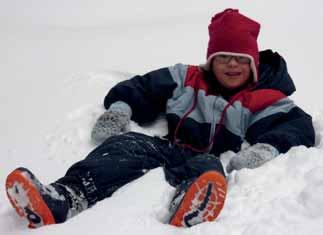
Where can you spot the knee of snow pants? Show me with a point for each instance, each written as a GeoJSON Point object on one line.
{"type": "Point", "coordinates": [192, 168]}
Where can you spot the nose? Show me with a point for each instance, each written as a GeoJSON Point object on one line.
{"type": "Point", "coordinates": [233, 62]}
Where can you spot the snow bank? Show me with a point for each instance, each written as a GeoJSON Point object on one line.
{"type": "Point", "coordinates": [50, 100]}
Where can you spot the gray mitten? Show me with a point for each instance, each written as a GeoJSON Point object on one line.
{"type": "Point", "coordinates": [113, 122]}
{"type": "Point", "coordinates": [252, 157]}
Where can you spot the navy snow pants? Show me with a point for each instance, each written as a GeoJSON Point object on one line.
{"type": "Point", "coordinates": [123, 158]}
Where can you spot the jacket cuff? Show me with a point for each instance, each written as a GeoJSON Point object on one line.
{"type": "Point", "coordinates": [268, 148]}
{"type": "Point", "coordinates": [121, 107]}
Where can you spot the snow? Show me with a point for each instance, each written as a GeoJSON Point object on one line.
{"type": "Point", "coordinates": [59, 58]}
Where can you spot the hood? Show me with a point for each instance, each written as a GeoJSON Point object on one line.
{"type": "Point", "coordinates": [233, 33]}
{"type": "Point", "coordinates": [274, 74]}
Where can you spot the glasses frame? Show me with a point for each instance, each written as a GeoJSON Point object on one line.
{"type": "Point", "coordinates": [225, 59]}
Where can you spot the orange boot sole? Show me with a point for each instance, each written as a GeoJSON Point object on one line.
{"type": "Point", "coordinates": [203, 201]}
{"type": "Point", "coordinates": [26, 199]}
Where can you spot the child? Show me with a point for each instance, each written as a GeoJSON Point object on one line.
{"type": "Point", "coordinates": [239, 95]}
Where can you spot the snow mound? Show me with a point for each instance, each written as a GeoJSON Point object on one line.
{"type": "Point", "coordinates": [284, 196]}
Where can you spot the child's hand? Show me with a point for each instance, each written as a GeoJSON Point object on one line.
{"type": "Point", "coordinates": [252, 157]}
{"type": "Point", "coordinates": [113, 122]}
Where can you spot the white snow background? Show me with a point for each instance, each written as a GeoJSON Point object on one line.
{"type": "Point", "coordinates": [59, 58]}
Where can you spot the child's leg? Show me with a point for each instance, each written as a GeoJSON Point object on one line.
{"type": "Point", "coordinates": [119, 160]}
{"type": "Point", "coordinates": [116, 162]}
{"type": "Point", "coordinates": [200, 192]}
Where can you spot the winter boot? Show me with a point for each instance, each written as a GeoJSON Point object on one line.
{"type": "Point", "coordinates": [199, 200]}
{"type": "Point", "coordinates": [42, 204]}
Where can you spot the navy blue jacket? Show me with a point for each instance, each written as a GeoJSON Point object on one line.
{"type": "Point", "coordinates": [202, 118]}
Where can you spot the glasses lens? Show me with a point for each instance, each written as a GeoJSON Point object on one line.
{"type": "Point", "coordinates": [243, 60]}
{"type": "Point", "coordinates": [224, 59]}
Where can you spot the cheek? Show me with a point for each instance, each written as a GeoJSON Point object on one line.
{"type": "Point", "coordinates": [246, 74]}
{"type": "Point", "coordinates": [247, 71]}
{"type": "Point", "coordinates": [217, 70]}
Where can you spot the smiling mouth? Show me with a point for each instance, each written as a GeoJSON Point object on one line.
{"type": "Point", "coordinates": [233, 73]}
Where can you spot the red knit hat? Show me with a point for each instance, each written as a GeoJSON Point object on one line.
{"type": "Point", "coordinates": [234, 34]}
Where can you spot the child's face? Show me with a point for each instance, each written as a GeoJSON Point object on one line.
{"type": "Point", "coordinates": [232, 72]}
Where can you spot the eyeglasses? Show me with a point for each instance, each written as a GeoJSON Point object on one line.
{"type": "Point", "coordinates": [224, 59]}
